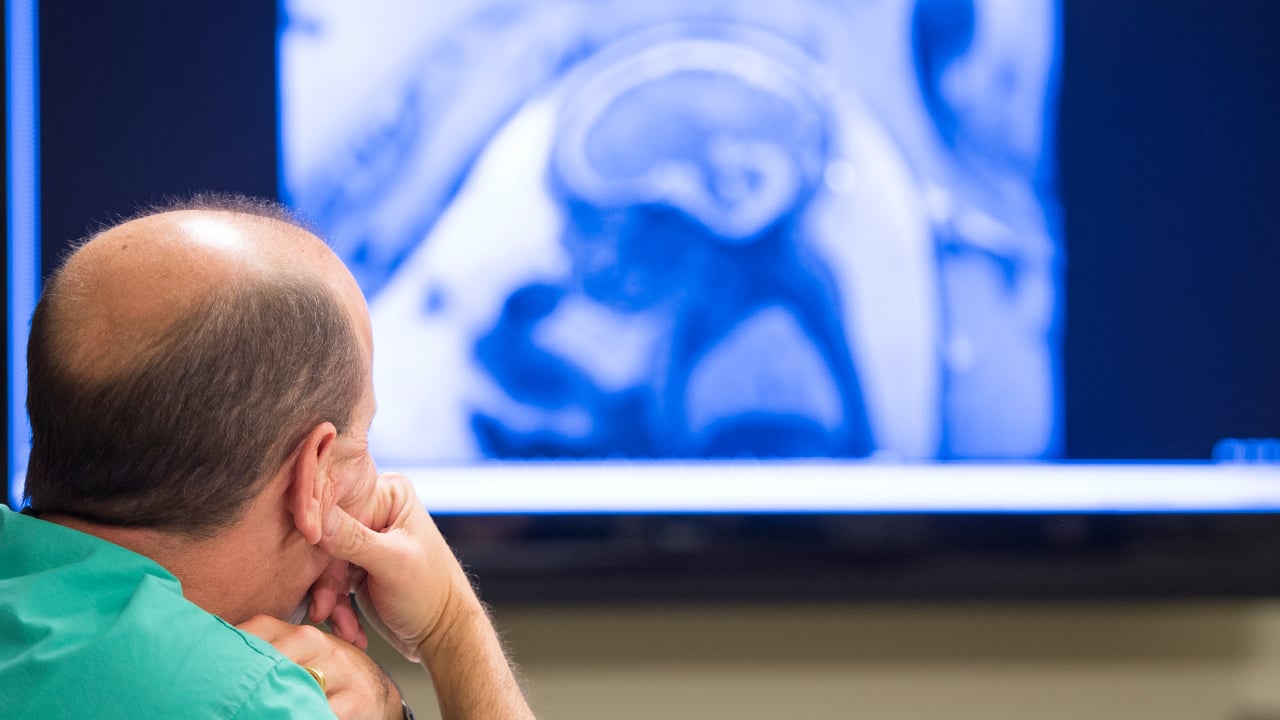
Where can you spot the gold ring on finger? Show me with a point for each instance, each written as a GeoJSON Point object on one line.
{"type": "Point", "coordinates": [318, 674]}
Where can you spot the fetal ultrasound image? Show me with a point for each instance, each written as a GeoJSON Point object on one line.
{"type": "Point", "coordinates": [678, 229]}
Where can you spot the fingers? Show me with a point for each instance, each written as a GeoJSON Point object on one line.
{"type": "Point", "coordinates": [327, 589]}
{"type": "Point", "coordinates": [354, 685]}
{"type": "Point", "coordinates": [302, 644]}
{"type": "Point", "coordinates": [402, 569]}
{"type": "Point", "coordinates": [346, 624]}
{"type": "Point", "coordinates": [348, 539]}
{"type": "Point", "coordinates": [331, 602]}
{"type": "Point", "coordinates": [371, 546]}
{"type": "Point", "coordinates": [265, 627]}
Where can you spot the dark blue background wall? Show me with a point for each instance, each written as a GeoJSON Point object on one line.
{"type": "Point", "coordinates": [1168, 153]}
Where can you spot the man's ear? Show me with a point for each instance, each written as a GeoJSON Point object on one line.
{"type": "Point", "coordinates": [311, 489]}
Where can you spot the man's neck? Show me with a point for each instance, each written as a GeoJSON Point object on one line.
{"type": "Point", "coordinates": [218, 573]}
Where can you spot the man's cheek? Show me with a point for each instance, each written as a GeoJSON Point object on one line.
{"type": "Point", "coordinates": [368, 495]}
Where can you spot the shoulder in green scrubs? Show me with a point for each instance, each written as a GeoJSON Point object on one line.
{"type": "Point", "coordinates": [90, 629]}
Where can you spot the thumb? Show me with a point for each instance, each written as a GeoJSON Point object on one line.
{"type": "Point", "coordinates": [346, 538]}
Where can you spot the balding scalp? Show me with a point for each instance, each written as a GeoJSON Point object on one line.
{"type": "Point", "coordinates": [174, 362]}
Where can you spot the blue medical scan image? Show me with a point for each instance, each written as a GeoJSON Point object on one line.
{"type": "Point", "coordinates": [663, 230]}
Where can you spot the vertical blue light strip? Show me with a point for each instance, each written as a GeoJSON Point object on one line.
{"type": "Point", "coordinates": [282, 186]}
{"type": "Point", "coordinates": [22, 137]}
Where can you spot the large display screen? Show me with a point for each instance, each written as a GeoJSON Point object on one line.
{"type": "Point", "coordinates": [691, 230]}
{"type": "Point", "coordinates": [724, 256]}
{"type": "Point", "coordinates": [708, 231]}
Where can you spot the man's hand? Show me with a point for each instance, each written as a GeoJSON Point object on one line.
{"type": "Point", "coordinates": [405, 576]}
{"type": "Point", "coordinates": [355, 686]}
{"type": "Point", "coordinates": [331, 603]}
{"type": "Point", "coordinates": [412, 589]}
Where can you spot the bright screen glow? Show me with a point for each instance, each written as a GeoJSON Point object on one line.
{"type": "Point", "coordinates": [725, 256]}
{"type": "Point", "coordinates": [787, 254]}
{"type": "Point", "coordinates": [22, 264]}
{"type": "Point", "coordinates": [674, 230]}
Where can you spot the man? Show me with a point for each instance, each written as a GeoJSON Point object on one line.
{"type": "Point", "coordinates": [199, 391]}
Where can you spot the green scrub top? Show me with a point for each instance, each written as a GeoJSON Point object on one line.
{"type": "Point", "coordinates": [90, 629]}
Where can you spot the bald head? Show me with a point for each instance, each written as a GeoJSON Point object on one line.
{"type": "Point", "coordinates": [176, 357]}
{"type": "Point", "coordinates": [127, 286]}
